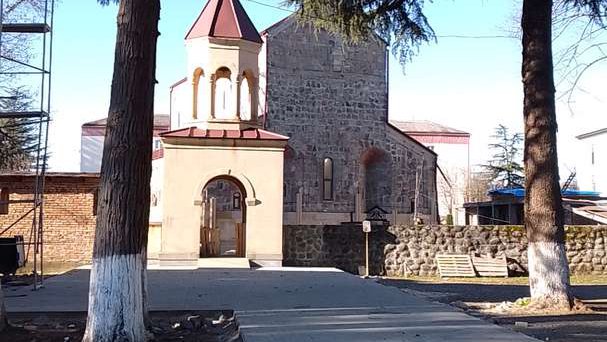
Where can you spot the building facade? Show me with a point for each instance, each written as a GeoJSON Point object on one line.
{"type": "Point", "coordinates": [344, 158]}
{"type": "Point", "coordinates": [70, 213]}
{"type": "Point", "coordinates": [591, 168]}
{"type": "Point", "coordinates": [286, 126]}
{"type": "Point", "coordinates": [453, 149]}
{"type": "Point", "coordinates": [92, 138]}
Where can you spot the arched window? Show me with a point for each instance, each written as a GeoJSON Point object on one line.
{"type": "Point", "coordinates": [198, 97]}
{"type": "Point", "coordinates": [236, 200]}
{"type": "Point", "coordinates": [327, 191]}
{"type": "Point", "coordinates": [223, 94]}
{"type": "Point", "coordinates": [245, 99]}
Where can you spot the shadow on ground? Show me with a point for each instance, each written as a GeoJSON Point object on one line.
{"type": "Point", "coordinates": [582, 327]}
{"type": "Point", "coordinates": [470, 292]}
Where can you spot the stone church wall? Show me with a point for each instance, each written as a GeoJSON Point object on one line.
{"type": "Point", "coordinates": [410, 250]}
{"type": "Point", "coordinates": [331, 99]}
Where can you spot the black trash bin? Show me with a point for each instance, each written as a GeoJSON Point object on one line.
{"type": "Point", "coordinates": [9, 254]}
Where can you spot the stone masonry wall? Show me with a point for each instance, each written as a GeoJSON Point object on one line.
{"type": "Point", "coordinates": [331, 99]}
{"type": "Point", "coordinates": [69, 223]}
{"type": "Point", "coordinates": [410, 250]}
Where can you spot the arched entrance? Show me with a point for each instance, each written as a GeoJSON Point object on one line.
{"type": "Point", "coordinates": [223, 219]}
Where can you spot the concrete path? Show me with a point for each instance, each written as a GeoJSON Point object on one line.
{"type": "Point", "coordinates": [284, 304]}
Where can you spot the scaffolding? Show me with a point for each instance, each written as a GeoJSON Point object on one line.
{"type": "Point", "coordinates": [38, 26]}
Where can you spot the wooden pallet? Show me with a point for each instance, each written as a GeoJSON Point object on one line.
{"type": "Point", "coordinates": [455, 265]}
{"type": "Point", "coordinates": [490, 267]}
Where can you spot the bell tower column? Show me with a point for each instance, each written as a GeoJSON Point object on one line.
{"type": "Point", "coordinates": [237, 93]}
{"type": "Point", "coordinates": [211, 95]}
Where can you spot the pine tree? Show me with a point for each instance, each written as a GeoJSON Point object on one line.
{"type": "Point", "coordinates": [505, 169]}
{"type": "Point", "coordinates": [402, 23]}
{"type": "Point", "coordinates": [18, 137]}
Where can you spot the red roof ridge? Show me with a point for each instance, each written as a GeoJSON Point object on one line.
{"type": "Point", "coordinates": [224, 19]}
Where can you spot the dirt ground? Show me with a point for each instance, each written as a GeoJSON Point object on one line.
{"type": "Point", "coordinates": [474, 293]}
{"type": "Point", "coordinates": [198, 326]}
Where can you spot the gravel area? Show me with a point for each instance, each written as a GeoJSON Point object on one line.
{"type": "Point", "coordinates": [191, 326]}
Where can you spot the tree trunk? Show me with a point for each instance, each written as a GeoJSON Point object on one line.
{"type": "Point", "coordinates": [117, 284]}
{"type": "Point", "coordinates": [548, 267]}
{"type": "Point", "coordinates": [3, 320]}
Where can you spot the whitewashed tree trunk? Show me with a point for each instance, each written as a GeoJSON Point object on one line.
{"type": "Point", "coordinates": [3, 321]}
{"type": "Point", "coordinates": [548, 267]}
{"type": "Point", "coordinates": [549, 274]}
{"type": "Point", "coordinates": [117, 311]}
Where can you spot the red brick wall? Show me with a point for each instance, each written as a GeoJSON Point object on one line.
{"type": "Point", "coordinates": [69, 220]}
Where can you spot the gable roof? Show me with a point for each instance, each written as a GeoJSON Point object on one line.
{"type": "Point", "coordinates": [414, 127]}
{"type": "Point", "coordinates": [160, 121]}
{"type": "Point", "coordinates": [224, 19]}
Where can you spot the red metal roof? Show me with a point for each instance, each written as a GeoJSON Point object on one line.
{"type": "Point", "coordinates": [224, 19]}
{"type": "Point", "coordinates": [158, 154]}
{"type": "Point", "coordinates": [425, 127]}
{"type": "Point", "coordinates": [247, 134]}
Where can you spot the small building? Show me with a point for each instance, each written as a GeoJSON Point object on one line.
{"type": "Point", "coordinates": [506, 207]}
{"type": "Point", "coordinates": [69, 214]}
{"type": "Point", "coordinates": [93, 135]}
{"type": "Point", "coordinates": [453, 149]}
{"type": "Point", "coordinates": [591, 168]}
{"type": "Point", "coordinates": [221, 147]}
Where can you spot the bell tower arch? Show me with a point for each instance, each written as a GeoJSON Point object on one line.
{"type": "Point", "coordinates": [222, 54]}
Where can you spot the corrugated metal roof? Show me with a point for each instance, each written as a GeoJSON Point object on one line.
{"type": "Point", "coordinates": [224, 19]}
{"type": "Point", "coordinates": [520, 192]}
{"type": "Point", "coordinates": [426, 127]}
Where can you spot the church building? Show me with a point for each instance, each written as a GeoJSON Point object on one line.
{"type": "Point", "coordinates": [288, 126]}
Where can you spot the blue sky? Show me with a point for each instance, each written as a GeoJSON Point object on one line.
{"type": "Point", "coordinates": [470, 84]}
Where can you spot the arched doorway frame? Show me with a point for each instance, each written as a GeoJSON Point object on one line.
{"type": "Point", "coordinates": [247, 199]}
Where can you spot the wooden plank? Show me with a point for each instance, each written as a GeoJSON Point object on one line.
{"type": "Point", "coordinates": [490, 267]}
{"type": "Point", "coordinates": [455, 265]}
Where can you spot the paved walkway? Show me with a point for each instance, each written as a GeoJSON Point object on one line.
{"type": "Point", "coordinates": [285, 305]}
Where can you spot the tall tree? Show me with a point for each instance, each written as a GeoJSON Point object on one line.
{"type": "Point", "coordinates": [404, 21]}
{"type": "Point", "coordinates": [505, 165]}
{"type": "Point", "coordinates": [117, 306]}
{"type": "Point", "coordinates": [548, 267]}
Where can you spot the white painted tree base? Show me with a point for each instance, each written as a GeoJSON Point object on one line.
{"type": "Point", "coordinates": [548, 273]}
{"type": "Point", "coordinates": [116, 309]}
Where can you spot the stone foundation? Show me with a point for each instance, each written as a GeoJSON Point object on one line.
{"type": "Point", "coordinates": [410, 250]}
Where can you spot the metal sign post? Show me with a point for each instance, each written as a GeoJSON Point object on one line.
{"type": "Point", "coordinates": [366, 230]}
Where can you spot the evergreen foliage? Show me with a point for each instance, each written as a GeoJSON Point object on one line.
{"type": "Point", "coordinates": [505, 167]}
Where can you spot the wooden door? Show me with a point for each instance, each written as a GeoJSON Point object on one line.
{"type": "Point", "coordinates": [209, 231]}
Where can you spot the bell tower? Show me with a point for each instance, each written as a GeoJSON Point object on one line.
{"type": "Point", "coordinates": [222, 54]}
